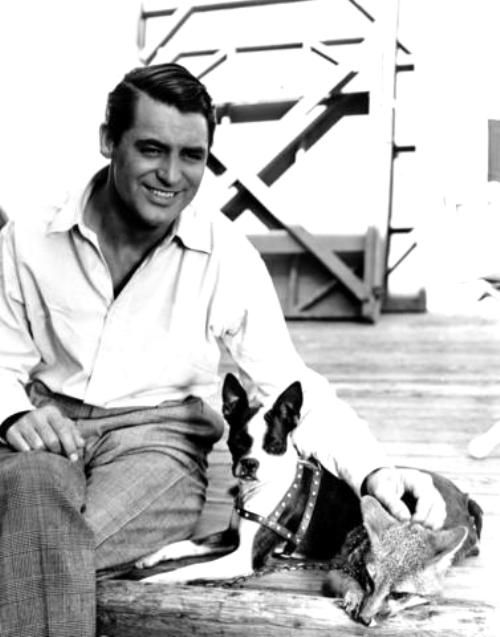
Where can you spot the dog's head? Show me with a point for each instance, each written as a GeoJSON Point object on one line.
{"type": "Point", "coordinates": [258, 436]}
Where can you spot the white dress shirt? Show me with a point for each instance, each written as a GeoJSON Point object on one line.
{"type": "Point", "coordinates": [204, 288]}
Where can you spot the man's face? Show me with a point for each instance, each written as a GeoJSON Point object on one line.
{"type": "Point", "coordinates": [157, 166]}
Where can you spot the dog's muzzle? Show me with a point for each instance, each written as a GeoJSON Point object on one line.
{"type": "Point", "coordinates": [246, 469]}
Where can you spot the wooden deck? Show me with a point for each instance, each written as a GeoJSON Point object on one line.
{"type": "Point", "coordinates": [427, 384]}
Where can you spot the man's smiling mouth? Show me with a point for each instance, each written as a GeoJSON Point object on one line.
{"type": "Point", "coordinates": [163, 195]}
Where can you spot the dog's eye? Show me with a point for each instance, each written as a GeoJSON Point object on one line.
{"type": "Point", "coordinates": [239, 444]}
{"type": "Point", "coordinates": [274, 445]}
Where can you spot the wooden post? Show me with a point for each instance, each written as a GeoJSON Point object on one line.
{"type": "Point", "coordinates": [382, 105]}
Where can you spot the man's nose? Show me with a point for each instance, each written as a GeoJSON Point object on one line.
{"type": "Point", "coordinates": [169, 172]}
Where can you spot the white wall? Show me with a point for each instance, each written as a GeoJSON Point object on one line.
{"type": "Point", "coordinates": [457, 58]}
{"type": "Point", "coordinates": [457, 53]}
{"type": "Point", "coordinates": [58, 59]}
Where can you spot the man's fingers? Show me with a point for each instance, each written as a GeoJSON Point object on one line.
{"type": "Point", "coordinates": [46, 428]}
{"type": "Point", "coordinates": [430, 508]}
{"type": "Point", "coordinates": [79, 439]}
{"type": "Point", "coordinates": [67, 434]}
{"type": "Point", "coordinates": [393, 503]}
{"type": "Point", "coordinates": [387, 487]}
{"type": "Point", "coordinates": [48, 436]}
{"type": "Point", "coordinates": [16, 440]}
{"type": "Point", "coordinates": [20, 432]}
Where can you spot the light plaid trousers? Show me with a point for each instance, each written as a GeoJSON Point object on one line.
{"type": "Point", "coordinates": [141, 483]}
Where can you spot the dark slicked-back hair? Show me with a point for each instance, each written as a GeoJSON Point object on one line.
{"type": "Point", "coordinates": [170, 84]}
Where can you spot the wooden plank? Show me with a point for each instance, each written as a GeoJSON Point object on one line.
{"type": "Point", "coordinates": [186, 610]}
{"type": "Point", "coordinates": [373, 268]}
{"type": "Point", "coordinates": [493, 150]}
{"type": "Point", "coordinates": [169, 6]}
{"type": "Point", "coordinates": [281, 242]}
{"type": "Point", "coordinates": [263, 111]}
{"type": "Point", "coordinates": [215, 60]}
{"type": "Point", "coordinates": [180, 17]}
{"type": "Point", "coordinates": [321, 48]}
{"type": "Point", "coordinates": [293, 283]}
{"type": "Point", "coordinates": [405, 303]}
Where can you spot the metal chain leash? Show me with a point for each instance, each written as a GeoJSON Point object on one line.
{"type": "Point", "coordinates": [275, 567]}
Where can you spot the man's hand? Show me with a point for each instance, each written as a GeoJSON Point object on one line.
{"type": "Point", "coordinates": [389, 485]}
{"type": "Point", "coordinates": [46, 428]}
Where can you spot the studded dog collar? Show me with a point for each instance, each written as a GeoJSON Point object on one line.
{"type": "Point", "coordinates": [308, 472]}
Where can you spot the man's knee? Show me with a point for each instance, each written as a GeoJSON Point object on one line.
{"type": "Point", "coordinates": [37, 473]}
{"type": "Point", "coordinates": [133, 524]}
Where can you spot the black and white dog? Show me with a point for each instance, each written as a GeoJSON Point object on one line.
{"type": "Point", "coordinates": [284, 503]}
{"type": "Point", "coordinates": [286, 506]}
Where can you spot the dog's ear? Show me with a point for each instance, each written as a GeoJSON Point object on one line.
{"type": "Point", "coordinates": [289, 403]}
{"type": "Point", "coordinates": [234, 399]}
{"type": "Point", "coordinates": [282, 418]}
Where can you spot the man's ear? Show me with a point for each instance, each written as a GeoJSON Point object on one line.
{"type": "Point", "coordinates": [105, 143]}
{"type": "Point", "coordinates": [234, 398]}
{"type": "Point", "coordinates": [376, 519]}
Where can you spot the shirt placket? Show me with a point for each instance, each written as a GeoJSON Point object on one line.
{"type": "Point", "coordinates": [100, 379]}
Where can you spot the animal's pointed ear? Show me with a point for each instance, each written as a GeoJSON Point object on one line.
{"type": "Point", "coordinates": [376, 519]}
{"type": "Point", "coordinates": [429, 579]}
{"type": "Point", "coordinates": [289, 402]}
{"type": "Point", "coordinates": [282, 418]}
{"type": "Point", "coordinates": [446, 543]}
{"type": "Point", "coordinates": [234, 398]}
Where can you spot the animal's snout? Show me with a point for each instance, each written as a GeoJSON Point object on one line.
{"type": "Point", "coordinates": [371, 606]}
{"type": "Point", "coordinates": [248, 468]}
{"type": "Point", "coordinates": [364, 619]}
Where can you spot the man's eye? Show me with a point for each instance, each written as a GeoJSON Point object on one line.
{"type": "Point", "coordinates": [194, 155]}
{"type": "Point", "coordinates": [150, 151]}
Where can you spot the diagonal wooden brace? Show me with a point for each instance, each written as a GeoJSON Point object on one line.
{"type": "Point", "coordinates": [301, 133]}
{"type": "Point", "coordinates": [259, 192]}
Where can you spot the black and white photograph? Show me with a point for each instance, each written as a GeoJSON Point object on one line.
{"type": "Point", "coordinates": [249, 318]}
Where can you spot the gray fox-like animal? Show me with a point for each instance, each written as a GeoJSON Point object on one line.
{"type": "Point", "coordinates": [386, 565]}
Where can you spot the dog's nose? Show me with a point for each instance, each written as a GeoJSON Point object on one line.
{"type": "Point", "coordinates": [249, 467]}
